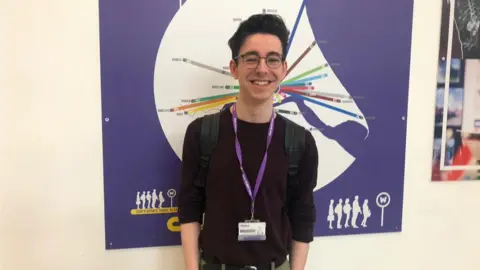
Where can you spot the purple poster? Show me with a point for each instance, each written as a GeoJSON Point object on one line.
{"type": "Point", "coordinates": [165, 63]}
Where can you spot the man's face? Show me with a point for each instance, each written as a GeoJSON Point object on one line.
{"type": "Point", "coordinates": [260, 68]}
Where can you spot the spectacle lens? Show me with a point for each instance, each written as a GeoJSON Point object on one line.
{"type": "Point", "coordinates": [252, 61]}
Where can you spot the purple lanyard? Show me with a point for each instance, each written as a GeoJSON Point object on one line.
{"type": "Point", "coordinates": [262, 166]}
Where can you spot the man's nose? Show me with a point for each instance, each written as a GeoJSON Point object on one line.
{"type": "Point", "coordinates": [262, 66]}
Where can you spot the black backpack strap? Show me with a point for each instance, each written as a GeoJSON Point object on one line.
{"type": "Point", "coordinates": [294, 149]}
{"type": "Point", "coordinates": [208, 141]}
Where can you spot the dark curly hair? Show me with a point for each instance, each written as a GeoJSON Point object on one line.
{"type": "Point", "coordinates": [259, 23]}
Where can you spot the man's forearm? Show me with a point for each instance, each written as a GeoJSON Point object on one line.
{"type": "Point", "coordinates": [189, 235]}
{"type": "Point", "coordinates": [298, 255]}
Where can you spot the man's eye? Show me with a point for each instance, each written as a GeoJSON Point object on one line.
{"type": "Point", "coordinates": [251, 59]}
{"type": "Point", "coordinates": [273, 60]}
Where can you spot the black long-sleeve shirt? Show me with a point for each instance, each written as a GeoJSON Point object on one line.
{"type": "Point", "coordinates": [226, 201]}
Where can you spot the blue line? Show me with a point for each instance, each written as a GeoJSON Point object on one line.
{"type": "Point", "coordinates": [299, 15]}
{"type": "Point", "coordinates": [296, 84]}
{"type": "Point", "coordinates": [325, 105]}
{"type": "Point", "coordinates": [310, 78]}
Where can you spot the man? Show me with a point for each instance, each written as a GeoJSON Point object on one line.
{"type": "Point", "coordinates": [247, 223]}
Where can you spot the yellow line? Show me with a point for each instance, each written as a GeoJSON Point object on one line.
{"type": "Point", "coordinates": [212, 105]}
{"type": "Point", "coordinates": [150, 211]}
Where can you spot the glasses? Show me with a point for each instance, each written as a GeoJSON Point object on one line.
{"type": "Point", "coordinates": [272, 61]}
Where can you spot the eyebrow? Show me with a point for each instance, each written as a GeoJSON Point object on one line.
{"type": "Point", "coordinates": [256, 53]}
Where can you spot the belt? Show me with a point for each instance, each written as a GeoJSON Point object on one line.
{"type": "Point", "coordinates": [219, 266]}
{"type": "Point", "coordinates": [211, 266]}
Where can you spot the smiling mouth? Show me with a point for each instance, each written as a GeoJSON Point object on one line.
{"type": "Point", "coordinates": [261, 82]}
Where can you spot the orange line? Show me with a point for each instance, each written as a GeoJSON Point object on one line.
{"type": "Point", "coordinates": [198, 104]}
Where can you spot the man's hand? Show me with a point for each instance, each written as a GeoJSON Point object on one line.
{"type": "Point", "coordinates": [189, 235]}
{"type": "Point", "coordinates": [298, 255]}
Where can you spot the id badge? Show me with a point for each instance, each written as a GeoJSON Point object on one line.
{"type": "Point", "coordinates": [252, 231]}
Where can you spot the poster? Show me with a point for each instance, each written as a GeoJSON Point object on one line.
{"type": "Point", "coordinates": [349, 85]}
{"type": "Point", "coordinates": [456, 147]}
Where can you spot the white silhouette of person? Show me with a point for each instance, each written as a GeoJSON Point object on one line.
{"type": "Point", "coordinates": [161, 199]}
{"type": "Point", "coordinates": [149, 198]}
{"type": "Point", "coordinates": [346, 209]}
{"type": "Point", "coordinates": [338, 211]}
{"type": "Point", "coordinates": [366, 213]}
{"type": "Point", "coordinates": [330, 217]}
{"type": "Point", "coordinates": [356, 210]}
{"type": "Point", "coordinates": [143, 200]}
{"type": "Point", "coordinates": [138, 200]}
{"type": "Point", "coordinates": [154, 198]}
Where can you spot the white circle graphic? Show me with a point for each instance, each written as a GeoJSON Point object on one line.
{"type": "Point", "coordinates": [192, 77]}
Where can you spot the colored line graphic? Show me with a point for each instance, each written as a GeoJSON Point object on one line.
{"type": "Point", "coordinates": [195, 63]}
{"type": "Point", "coordinates": [307, 80]}
{"type": "Point", "coordinates": [301, 57]}
{"type": "Point", "coordinates": [299, 87]}
{"type": "Point", "coordinates": [313, 94]}
{"type": "Point", "coordinates": [327, 106]}
{"type": "Point", "coordinates": [306, 73]}
{"type": "Point", "coordinates": [297, 84]}
{"type": "Point", "coordinates": [297, 20]}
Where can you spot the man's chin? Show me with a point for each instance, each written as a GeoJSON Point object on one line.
{"type": "Point", "coordinates": [260, 94]}
{"type": "Point", "coordinates": [261, 97]}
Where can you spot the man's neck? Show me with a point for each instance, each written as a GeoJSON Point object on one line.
{"type": "Point", "coordinates": [254, 113]}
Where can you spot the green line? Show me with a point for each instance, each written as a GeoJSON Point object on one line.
{"type": "Point", "coordinates": [213, 97]}
{"type": "Point", "coordinates": [230, 87]}
{"type": "Point", "coordinates": [306, 73]}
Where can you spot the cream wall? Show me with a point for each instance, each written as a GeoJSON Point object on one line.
{"type": "Point", "coordinates": [51, 166]}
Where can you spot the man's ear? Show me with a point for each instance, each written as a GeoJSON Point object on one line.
{"type": "Point", "coordinates": [233, 69]}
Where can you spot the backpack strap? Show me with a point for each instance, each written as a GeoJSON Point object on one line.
{"type": "Point", "coordinates": [294, 149]}
{"type": "Point", "coordinates": [208, 141]}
